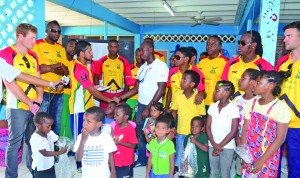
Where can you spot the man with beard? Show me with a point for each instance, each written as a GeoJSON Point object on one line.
{"type": "Point", "coordinates": [53, 65]}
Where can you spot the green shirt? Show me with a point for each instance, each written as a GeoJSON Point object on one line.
{"type": "Point", "coordinates": [161, 155]}
{"type": "Point", "coordinates": [202, 156]}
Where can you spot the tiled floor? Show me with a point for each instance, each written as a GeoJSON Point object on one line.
{"type": "Point", "coordinates": [23, 172]}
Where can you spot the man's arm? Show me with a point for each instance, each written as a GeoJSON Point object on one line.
{"type": "Point", "coordinates": [39, 91]}
{"type": "Point", "coordinates": [98, 94]}
{"type": "Point", "coordinates": [16, 90]}
{"type": "Point", "coordinates": [168, 100]}
{"type": "Point", "coordinates": [35, 80]}
{"type": "Point", "coordinates": [131, 92]}
{"type": "Point", "coordinates": [58, 69]}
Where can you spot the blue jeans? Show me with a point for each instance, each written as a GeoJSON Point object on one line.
{"type": "Point", "coordinates": [179, 148]}
{"type": "Point", "coordinates": [221, 162]}
{"type": "Point", "coordinates": [293, 149]}
{"type": "Point", "coordinates": [53, 104]}
{"type": "Point", "coordinates": [142, 158]}
{"type": "Point", "coordinates": [20, 124]}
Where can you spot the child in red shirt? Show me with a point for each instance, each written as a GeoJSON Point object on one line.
{"type": "Point", "coordinates": [124, 135]}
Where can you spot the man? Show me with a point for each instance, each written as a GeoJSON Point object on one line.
{"type": "Point", "coordinates": [65, 129]}
{"type": "Point", "coordinates": [53, 62]}
{"type": "Point", "coordinates": [290, 63]}
{"type": "Point", "coordinates": [250, 51]}
{"type": "Point", "coordinates": [150, 84]}
{"type": "Point", "coordinates": [114, 71]}
{"type": "Point", "coordinates": [82, 87]}
{"type": "Point", "coordinates": [19, 116]}
{"type": "Point", "coordinates": [212, 67]}
{"type": "Point", "coordinates": [156, 54]}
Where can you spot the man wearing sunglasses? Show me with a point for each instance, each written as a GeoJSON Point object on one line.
{"type": "Point", "coordinates": [53, 62]}
{"type": "Point", "coordinates": [290, 63]}
{"type": "Point", "coordinates": [19, 113]}
{"type": "Point", "coordinates": [250, 51]}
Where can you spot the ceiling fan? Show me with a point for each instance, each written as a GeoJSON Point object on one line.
{"type": "Point", "coordinates": [199, 20]}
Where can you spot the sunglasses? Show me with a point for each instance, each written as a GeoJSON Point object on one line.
{"type": "Point", "coordinates": [177, 57]}
{"type": "Point", "coordinates": [243, 43]}
{"type": "Point", "coordinates": [55, 31]}
{"type": "Point", "coordinates": [26, 62]}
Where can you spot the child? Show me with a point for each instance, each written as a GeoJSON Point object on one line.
{"type": "Point", "coordinates": [161, 159]}
{"type": "Point", "coordinates": [97, 147]}
{"type": "Point", "coordinates": [221, 128]}
{"type": "Point", "coordinates": [199, 138]}
{"type": "Point", "coordinates": [265, 126]}
{"type": "Point", "coordinates": [125, 138]}
{"type": "Point", "coordinates": [184, 106]}
{"type": "Point", "coordinates": [109, 117]}
{"type": "Point", "coordinates": [42, 145]}
{"type": "Point", "coordinates": [156, 109]}
{"type": "Point", "coordinates": [246, 83]}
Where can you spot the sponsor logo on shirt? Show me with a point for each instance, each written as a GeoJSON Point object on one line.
{"type": "Point", "coordinates": [298, 75]}
{"type": "Point", "coordinates": [118, 66]}
{"type": "Point", "coordinates": [58, 54]}
{"type": "Point", "coordinates": [234, 71]}
{"type": "Point", "coordinates": [84, 77]}
{"type": "Point", "coordinates": [213, 70]}
{"type": "Point", "coordinates": [106, 65]}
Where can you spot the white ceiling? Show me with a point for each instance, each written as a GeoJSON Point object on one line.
{"type": "Point", "coordinates": [152, 12]}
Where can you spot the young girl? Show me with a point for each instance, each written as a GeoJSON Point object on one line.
{"type": "Point", "coordinates": [246, 83]}
{"type": "Point", "coordinates": [199, 138]}
{"type": "Point", "coordinates": [265, 126]}
{"type": "Point", "coordinates": [42, 145]}
{"type": "Point", "coordinates": [156, 109]}
{"type": "Point", "coordinates": [221, 127]}
{"type": "Point", "coordinates": [161, 159]}
{"type": "Point", "coordinates": [125, 138]}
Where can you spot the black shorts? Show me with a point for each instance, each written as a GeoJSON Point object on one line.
{"type": "Point", "coordinates": [124, 171]}
{"type": "Point", "coordinates": [49, 173]}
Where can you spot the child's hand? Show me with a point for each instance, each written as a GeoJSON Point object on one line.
{"type": "Point", "coordinates": [63, 150]}
{"type": "Point", "coordinates": [146, 132]}
{"type": "Point", "coordinates": [257, 166]}
{"type": "Point", "coordinates": [216, 153]}
{"type": "Point", "coordinates": [113, 175]}
{"type": "Point", "coordinates": [116, 141]}
{"type": "Point", "coordinates": [84, 135]}
{"type": "Point", "coordinates": [218, 147]}
{"type": "Point", "coordinates": [193, 139]}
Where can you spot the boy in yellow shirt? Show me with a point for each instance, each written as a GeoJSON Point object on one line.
{"type": "Point", "coordinates": [184, 109]}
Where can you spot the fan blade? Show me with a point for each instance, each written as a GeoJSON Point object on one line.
{"type": "Point", "coordinates": [214, 19]}
{"type": "Point", "coordinates": [211, 23]}
{"type": "Point", "coordinates": [195, 24]}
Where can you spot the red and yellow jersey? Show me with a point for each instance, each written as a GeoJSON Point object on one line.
{"type": "Point", "coordinates": [159, 56]}
{"type": "Point", "coordinates": [134, 72]}
{"type": "Point", "coordinates": [27, 64]}
{"type": "Point", "coordinates": [235, 67]}
{"type": "Point", "coordinates": [81, 79]}
{"type": "Point", "coordinates": [290, 88]}
{"type": "Point", "coordinates": [50, 54]}
{"type": "Point", "coordinates": [113, 72]}
{"type": "Point", "coordinates": [186, 111]}
{"type": "Point", "coordinates": [67, 91]}
{"type": "Point", "coordinates": [212, 70]}
{"type": "Point", "coordinates": [175, 76]}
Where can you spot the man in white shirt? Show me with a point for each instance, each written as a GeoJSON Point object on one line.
{"type": "Point", "coordinates": [150, 84]}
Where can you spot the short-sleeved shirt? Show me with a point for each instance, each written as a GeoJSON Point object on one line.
{"type": "Point", "coordinates": [175, 77]}
{"type": "Point", "coordinates": [212, 70]}
{"type": "Point", "coordinates": [202, 156]}
{"type": "Point", "coordinates": [290, 88]}
{"type": "Point", "coordinates": [113, 72]}
{"type": "Point", "coordinates": [241, 103]}
{"type": "Point", "coordinates": [124, 156]}
{"type": "Point", "coordinates": [280, 111]}
{"type": "Point", "coordinates": [186, 110]}
{"type": "Point", "coordinates": [96, 155]}
{"type": "Point", "coordinates": [149, 75]}
{"type": "Point", "coordinates": [221, 122]}
{"type": "Point", "coordinates": [161, 153]}
{"type": "Point", "coordinates": [37, 143]}
{"type": "Point", "coordinates": [28, 64]}
{"type": "Point", "coordinates": [81, 79]}
{"type": "Point", "coordinates": [67, 90]}
{"type": "Point", "coordinates": [235, 67]}
{"type": "Point", "coordinates": [8, 72]}
{"type": "Point", "coordinates": [50, 54]}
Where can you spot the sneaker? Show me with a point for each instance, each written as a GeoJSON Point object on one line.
{"type": "Point", "coordinates": [137, 164]}
{"type": "Point", "coordinates": [79, 170]}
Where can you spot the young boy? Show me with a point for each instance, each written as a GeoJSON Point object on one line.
{"type": "Point", "coordinates": [97, 147]}
{"type": "Point", "coordinates": [184, 109]}
{"type": "Point", "coordinates": [42, 145]}
{"type": "Point", "coordinates": [125, 138]}
{"type": "Point", "coordinates": [109, 117]}
{"type": "Point", "coordinates": [161, 149]}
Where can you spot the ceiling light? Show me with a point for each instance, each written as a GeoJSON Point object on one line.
{"type": "Point", "coordinates": [168, 8]}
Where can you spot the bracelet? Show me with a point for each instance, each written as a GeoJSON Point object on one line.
{"type": "Point", "coordinates": [50, 84]}
{"type": "Point", "coordinates": [39, 104]}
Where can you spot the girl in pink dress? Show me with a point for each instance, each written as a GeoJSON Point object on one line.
{"type": "Point", "coordinates": [265, 126]}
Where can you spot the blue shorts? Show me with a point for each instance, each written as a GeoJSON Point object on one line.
{"type": "Point", "coordinates": [152, 175]}
{"type": "Point", "coordinates": [179, 148]}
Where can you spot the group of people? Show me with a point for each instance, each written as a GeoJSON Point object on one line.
{"type": "Point", "coordinates": [215, 105]}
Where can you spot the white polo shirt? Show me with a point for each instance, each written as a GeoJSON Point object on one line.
{"type": "Point", "coordinates": [149, 76]}
{"type": "Point", "coordinates": [221, 122]}
{"type": "Point", "coordinates": [7, 72]}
